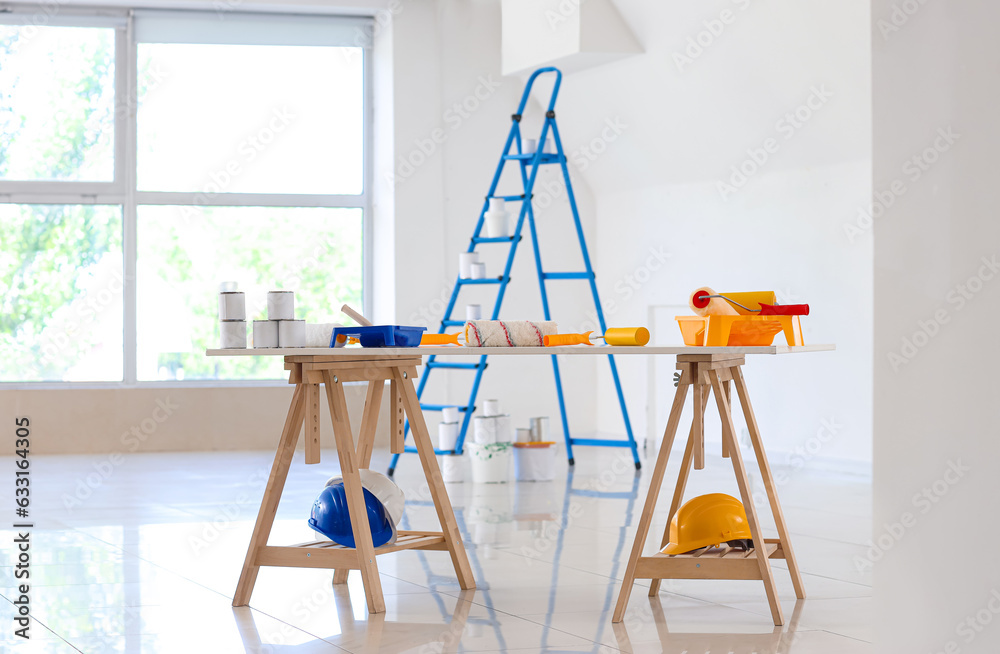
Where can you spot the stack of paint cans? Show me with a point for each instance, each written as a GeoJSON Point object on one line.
{"type": "Point", "coordinates": [232, 317]}
{"type": "Point", "coordinates": [490, 451]}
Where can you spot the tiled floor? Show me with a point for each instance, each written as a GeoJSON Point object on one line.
{"type": "Point", "coordinates": [143, 556]}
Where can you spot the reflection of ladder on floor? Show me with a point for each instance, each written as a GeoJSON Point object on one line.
{"type": "Point", "coordinates": [529, 164]}
{"type": "Point", "coordinates": [629, 496]}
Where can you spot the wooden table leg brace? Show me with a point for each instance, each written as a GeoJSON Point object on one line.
{"type": "Point", "coordinates": [713, 373]}
{"type": "Point", "coordinates": [307, 373]}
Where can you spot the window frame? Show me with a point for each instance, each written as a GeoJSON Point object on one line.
{"type": "Point", "coordinates": [122, 190]}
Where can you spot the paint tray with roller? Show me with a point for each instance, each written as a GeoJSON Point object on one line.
{"type": "Point", "coordinates": [381, 335]}
{"type": "Point", "coordinates": [740, 319]}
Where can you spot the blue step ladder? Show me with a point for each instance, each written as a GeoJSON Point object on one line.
{"type": "Point", "coordinates": [529, 165]}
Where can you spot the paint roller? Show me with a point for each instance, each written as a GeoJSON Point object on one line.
{"type": "Point", "coordinates": [611, 336]}
{"type": "Point", "coordinates": [706, 302]}
{"type": "Point", "coordinates": [496, 333]}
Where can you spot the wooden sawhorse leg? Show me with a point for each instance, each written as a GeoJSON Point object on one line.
{"type": "Point", "coordinates": [712, 372]}
{"type": "Point", "coordinates": [442, 503]}
{"type": "Point", "coordinates": [272, 495]}
{"type": "Point", "coordinates": [682, 477]}
{"type": "Point", "coordinates": [366, 443]}
{"type": "Point", "coordinates": [307, 372]}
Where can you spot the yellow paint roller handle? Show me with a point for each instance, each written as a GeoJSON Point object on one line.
{"type": "Point", "coordinates": [626, 336]}
{"type": "Point", "coordinates": [568, 339]}
{"type": "Point", "coordinates": [439, 339]}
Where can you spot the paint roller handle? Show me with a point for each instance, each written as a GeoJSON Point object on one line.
{"type": "Point", "coordinates": [361, 320]}
{"type": "Point", "coordinates": [784, 309]}
{"type": "Point", "coordinates": [568, 339]}
{"type": "Point", "coordinates": [439, 339]}
{"type": "Point", "coordinates": [626, 336]}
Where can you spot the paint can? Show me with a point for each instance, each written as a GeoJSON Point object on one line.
{"type": "Point", "coordinates": [233, 334]}
{"type": "Point", "coordinates": [265, 333]}
{"type": "Point", "coordinates": [291, 333]}
{"type": "Point", "coordinates": [232, 305]}
{"type": "Point", "coordinates": [281, 305]}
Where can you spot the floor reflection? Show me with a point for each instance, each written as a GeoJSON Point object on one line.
{"type": "Point", "coordinates": [131, 571]}
{"type": "Point", "coordinates": [380, 634]}
{"type": "Point", "coordinates": [779, 640]}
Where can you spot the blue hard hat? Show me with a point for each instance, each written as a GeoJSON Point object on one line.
{"type": "Point", "coordinates": [331, 517]}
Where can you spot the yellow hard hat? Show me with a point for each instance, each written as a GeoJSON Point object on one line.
{"type": "Point", "coordinates": [707, 520]}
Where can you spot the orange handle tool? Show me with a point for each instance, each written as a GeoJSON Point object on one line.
{"type": "Point", "coordinates": [613, 336]}
{"type": "Point", "coordinates": [439, 339]}
{"type": "Point", "coordinates": [568, 339]}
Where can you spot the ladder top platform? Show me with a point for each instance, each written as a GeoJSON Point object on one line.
{"type": "Point", "coordinates": [458, 350]}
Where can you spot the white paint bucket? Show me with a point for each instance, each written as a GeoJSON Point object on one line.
{"type": "Point", "coordinates": [497, 223]}
{"type": "Point", "coordinates": [490, 463]}
{"type": "Point", "coordinates": [535, 462]}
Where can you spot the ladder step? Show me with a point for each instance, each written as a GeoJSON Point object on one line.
{"type": "Point", "coordinates": [508, 198]}
{"type": "Point", "coordinates": [495, 239]}
{"type": "Point", "coordinates": [413, 450]}
{"type": "Point", "coordinates": [605, 442]}
{"type": "Point", "coordinates": [438, 407]}
{"type": "Point", "coordinates": [528, 158]}
{"type": "Point", "coordinates": [568, 275]}
{"type": "Point", "coordinates": [453, 323]}
{"type": "Point", "coordinates": [454, 366]}
{"type": "Point", "coordinates": [489, 280]}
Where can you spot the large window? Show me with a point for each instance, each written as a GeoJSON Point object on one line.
{"type": "Point", "coordinates": [145, 159]}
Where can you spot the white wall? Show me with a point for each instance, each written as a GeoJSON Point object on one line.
{"type": "Point", "coordinates": [663, 128]}
{"type": "Point", "coordinates": [936, 410]}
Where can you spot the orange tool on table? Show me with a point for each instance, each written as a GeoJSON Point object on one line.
{"type": "Point", "coordinates": [612, 336]}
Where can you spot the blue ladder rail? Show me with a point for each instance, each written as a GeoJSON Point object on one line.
{"type": "Point", "coordinates": [529, 164]}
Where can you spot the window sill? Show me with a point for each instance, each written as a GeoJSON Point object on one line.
{"type": "Point", "coordinates": [162, 385]}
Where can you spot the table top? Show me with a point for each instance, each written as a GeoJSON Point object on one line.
{"type": "Point", "coordinates": [459, 350]}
